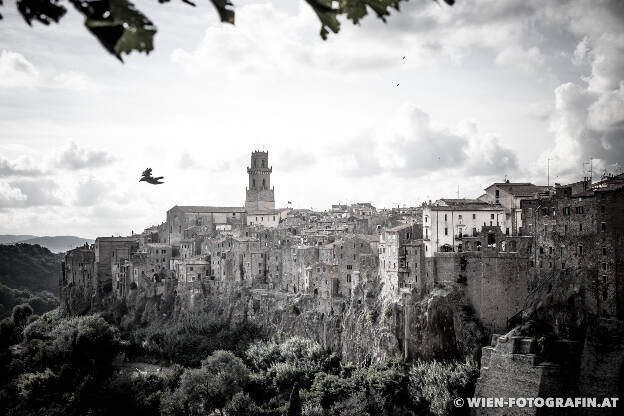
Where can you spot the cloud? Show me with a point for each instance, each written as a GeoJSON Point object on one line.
{"type": "Point", "coordinates": [17, 71]}
{"type": "Point", "coordinates": [90, 191]}
{"type": "Point", "coordinates": [75, 158]}
{"type": "Point", "coordinates": [75, 81]}
{"type": "Point", "coordinates": [416, 148]}
{"type": "Point", "coordinates": [186, 161]}
{"type": "Point", "coordinates": [528, 60]}
{"type": "Point", "coordinates": [36, 192]}
{"type": "Point", "coordinates": [20, 167]}
{"type": "Point", "coordinates": [10, 196]}
{"type": "Point", "coordinates": [588, 120]}
{"type": "Point", "coordinates": [290, 160]}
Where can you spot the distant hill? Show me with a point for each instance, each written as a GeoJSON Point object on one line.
{"type": "Point", "coordinates": [25, 266]}
{"type": "Point", "coordinates": [10, 239]}
{"type": "Point", "coordinates": [56, 244]}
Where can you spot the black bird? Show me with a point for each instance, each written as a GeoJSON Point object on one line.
{"type": "Point", "coordinates": [147, 177]}
{"type": "Point", "coordinates": [397, 85]}
{"type": "Point", "coordinates": [403, 57]}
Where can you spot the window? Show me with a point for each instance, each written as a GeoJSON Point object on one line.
{"type": "Point", "coordinates": [604, 266]}
{"type": "Point", "coordinates": [550, 250]}
{"type": "Point", "coordinates": [491, 216]}
{"type": "Point", "coordinates": [507, 231]}
{"type": "Point", "coordinates": [581, 227]}
{"type": "Point", "coordinates": [445, 217]}
{"type": "Point", "coordinates": [446, 231]}
{"type": "Point", "coordinates": [604, 294]}
{"type": "Point", "coordinates": [603, 209]}
{"type": "Point", "coordinates": [460, 217]}
{"type": "Point", "coordinates": [603, 226]}
{"type": "Point", "coordinates": [349, 267]}
{"type": "Point", "coordinates": [566, 210]}
{"type": "Point", "coordinates": [474, 231]}
{"type": "Point", "coordinates": [604, 251]}
{"type": "Point", "coordinates": [545, 229]}
{"type": "Point", "coordinates": [497, 193]}
{"type": "Point", "coordinates": [565, 229]}
{"type": "Point", "coordinates": [541, 250]}
{"type": "Point", "coordinates": [580, 250]}
{"type": "Point", "coordinates": [273, 217]}
{"type": "Point", "coordinates": [190, 268]}
{"type": "Point", "coordinates": [474, 216]}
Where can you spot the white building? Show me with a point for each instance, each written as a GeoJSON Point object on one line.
{"type": "Point", "coordinates": [267, 218]}
{"type": "Point", "coordinates": [509, 195]}
{"type": "Point", "coordinates": [446, 221]}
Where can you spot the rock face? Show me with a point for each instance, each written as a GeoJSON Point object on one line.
{"type": "Point", "coordinates": [516, 366]}
{"type": "Point", "coordinates": [362, 329]}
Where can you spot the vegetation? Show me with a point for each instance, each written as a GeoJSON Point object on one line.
{"type": "Point", "coordinates": [41, 302]}
{"type": "Point", "coordinates": [54, 365]}
{"type": "Point", "coordinates": [32, 267]}
{"type": "Point", "coordinates": [121, 28]}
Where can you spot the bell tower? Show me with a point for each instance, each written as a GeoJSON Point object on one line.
{"type": "Point", "coordinates": [260, 196]}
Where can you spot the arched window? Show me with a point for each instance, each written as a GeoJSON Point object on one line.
{"type": "Point", "coordinates": [264, 163]}
{"type": "Point", "coordinates": [263, 183]}
{"type": "Point", "coordinates": [253, 181]}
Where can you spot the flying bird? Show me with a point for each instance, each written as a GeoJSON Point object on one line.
{"type": "Point", "coordinates": [147, 177]}
{"type": "Point", "coordinates": [397, 85]}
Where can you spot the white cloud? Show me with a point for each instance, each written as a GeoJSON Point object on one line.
{"type": "Point", "coordinates": [76, 81]}
{"type": "Point", "coordinates": [75, 157]}
{"type": "Point", "coordinates": [10, 196]}
{"type": "Point", "coordinates": [528, 60]}
{"type": "Point", "coordinates": [22, 166]}
{"type": "Point", "coordinates": [17, 71]}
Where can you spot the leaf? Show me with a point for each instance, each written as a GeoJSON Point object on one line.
{"type": "Point", "coordinates": [356, 9]}
{"type": "Point", "coordinates": [224, 7]}
{"type": "Point", "coordinates": [44, 11]}
{"type": "Point", "coordinates": [327, 14]}
{"type": "Point", "coordinates": [118, 25]}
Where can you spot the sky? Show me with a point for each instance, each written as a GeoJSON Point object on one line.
{"type": "Point", "coordinates": [487, 90]}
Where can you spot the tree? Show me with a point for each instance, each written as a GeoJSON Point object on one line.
{"type": "Point", "coordinates": [294, 404]}
{"type": "Point", "coordinates": [121, 28]}
{"type": "Point", "coordinates": [212, 386]}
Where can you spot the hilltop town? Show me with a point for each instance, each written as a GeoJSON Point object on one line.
{"type": "Point", "coordinates": [442, 279]}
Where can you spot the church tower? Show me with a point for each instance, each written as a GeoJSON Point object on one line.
{"type": "Point", "coordinates": [260, 195]}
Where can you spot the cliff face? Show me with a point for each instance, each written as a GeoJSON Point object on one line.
{"type": "Point", "coordinates": [363, 328]}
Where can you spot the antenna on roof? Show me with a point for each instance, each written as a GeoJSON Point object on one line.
{"type": "Point", "coordinates": [548, 174]}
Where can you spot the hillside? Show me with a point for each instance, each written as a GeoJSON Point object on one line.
{"type": "Point", "coordinates": [11, 238]}
{"type": "Point", "coordinates": [56, 244]}
{"type": "Point", "coordinates": [25, 266]}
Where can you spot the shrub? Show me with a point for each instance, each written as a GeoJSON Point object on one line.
{"type": "Point", "coordinates": [438, 383]}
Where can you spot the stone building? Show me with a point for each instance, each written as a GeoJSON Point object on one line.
{"type": "Point", "coordinates": [509, 195]}
{"type": "Point", "coordinates": [446, 221]}
{"type": "Point", "coordinates": [182, 220]}
{"type": "Point", "coordinates": [260, 196]}
{"type": "Point", "coordinates": [392, 251]}
{"type": "Point", "coordinates": [579, 236]}
{"type": "Point", "coordinates": [78, 268]}
{"type": "Point", "coordinates": [109, 251]}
